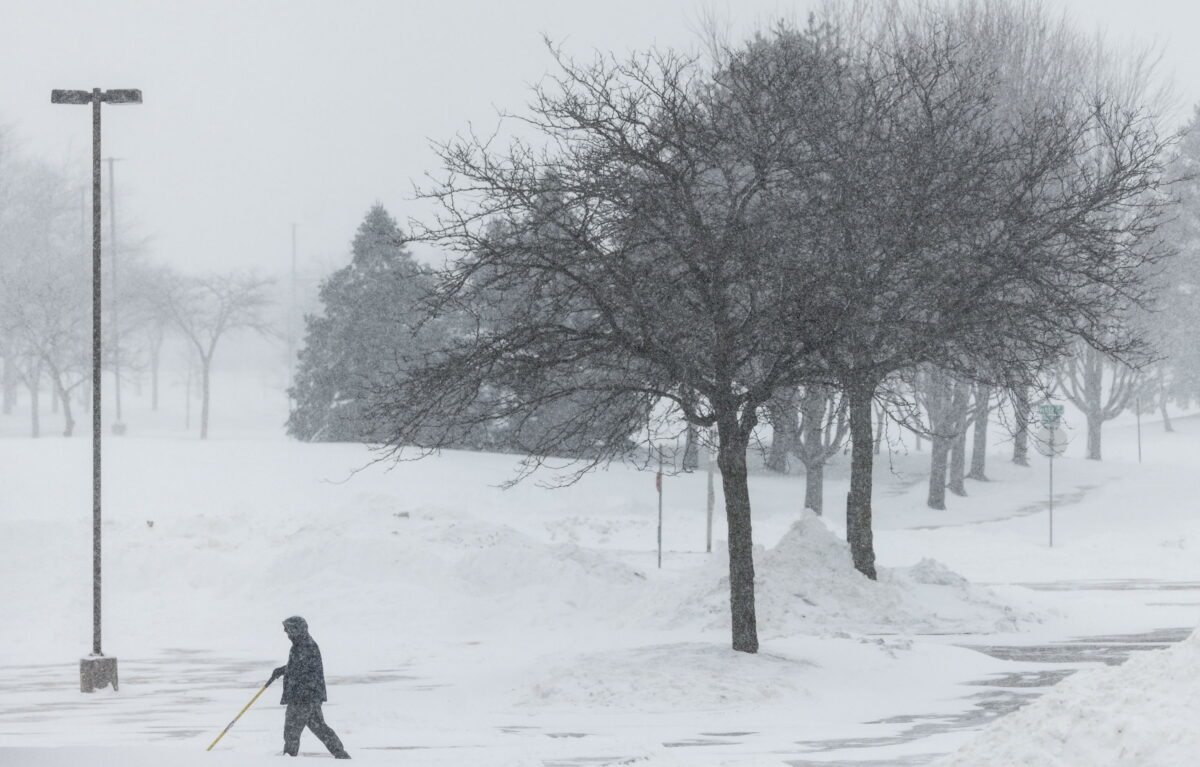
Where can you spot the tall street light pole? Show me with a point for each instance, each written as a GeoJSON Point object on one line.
{"type": "Point", "coordinates": [97, 670]}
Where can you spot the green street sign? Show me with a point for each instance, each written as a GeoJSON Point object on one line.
{"type": "Point", "coordinates": [1051, 414]}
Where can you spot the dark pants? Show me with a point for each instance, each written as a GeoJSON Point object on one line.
{"type": "Point", "coordinates": [301, 715]}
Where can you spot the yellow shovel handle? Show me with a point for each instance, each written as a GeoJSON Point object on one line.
{"type": "Point", "coordinates": [239, 716]}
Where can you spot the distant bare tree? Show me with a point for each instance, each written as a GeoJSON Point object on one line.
{"type": "Point", "coordinates": [823, 430]}
{"type": "Point", "coordinates": [809, 423]}
{"type": "Point", "coordinates": [944, 399]}
{"type": "Point", "coordinates": [783, 413]}
{"type": "Point", "coordinates": [979, 430]}
{"type": "Point", "coordinates": [57, 331]}
{"type": "Point", "coordinates": [1099, 386]}
{"type": "Point", "coordinates": [205, 309]}
{"type": "Point", "coordinates": [45, 327]}
{"type": "Point", "coordinates": [148, 315]}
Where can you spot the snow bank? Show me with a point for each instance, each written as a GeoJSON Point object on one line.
{"type": "Point", "coordinates": [665, 677]}
{"type": "Point", "coordinates": [1138, 714]}
{"type": "Point", "coordinates": [807, 584]}
{"type": "Point", "coordinates": [521, 574]}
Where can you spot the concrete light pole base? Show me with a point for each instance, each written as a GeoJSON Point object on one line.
{"type": "Point", "coordinates": [97, 672]}
{"type": "Point", "coordinates": [118, 429]}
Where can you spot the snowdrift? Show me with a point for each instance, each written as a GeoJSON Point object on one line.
{"type": "Point", "coordinates": [807, 584]}
{"type": "Point", "coordinates": [1138, 714]}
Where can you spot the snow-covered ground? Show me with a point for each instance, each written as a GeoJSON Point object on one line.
{"type": "Point", "coordinates": [461, 623]}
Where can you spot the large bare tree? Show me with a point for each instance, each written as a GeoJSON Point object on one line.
{"type": "Point", "coordinates": [973, 230]}
{"type": "Point", "coordinates": [666, 276]}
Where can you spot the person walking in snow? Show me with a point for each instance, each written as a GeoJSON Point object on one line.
{"type": "Point", "coordinates": [304, 691]}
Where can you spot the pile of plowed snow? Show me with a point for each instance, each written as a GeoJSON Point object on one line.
{"type": "Point", "coordinates": [807, 584]}
{"type": "Point", "coordinates": [1139, 713]}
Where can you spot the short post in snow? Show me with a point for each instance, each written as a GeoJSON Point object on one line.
{"type": "Point", "coordinates": [1051, 488]}
{"type": "Point", "coordinates": [658, 487]}
{"type": "Point", "coordinates": [712, 501]}
{"type": "Point", "coordinates": [1137, 409]}
{"type": "Point", "coordinates": [1051, 441]}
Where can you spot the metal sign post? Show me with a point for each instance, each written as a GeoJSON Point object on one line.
{"type": "Point", "coordinates": [1137, 408]}
{"type": "Point", "coordinates": [658, 486]}
{"type": "Point", "coordinates": [1051, 441]}
{"type": "Point", "coordinates": [712, 498]}
{"type": "Point", "coordinates": [1051, 446]}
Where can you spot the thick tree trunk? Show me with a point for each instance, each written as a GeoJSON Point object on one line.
{"type": "Point", "coordinates": [983, 397]}
{"type": "Point", "coordinates": [68, 416]}
{"type": "Point", "coordinates": [812, 418]}
{"type": "Point", "coordinates": [1162, 401]}
{"type": "Point", "coordinates": [8, 386]}
{"type": "Point", "coordinates": [958, 450]}
{"type": "Point", "coordinates": [1021, 411]}
{"type": "Point", "coordinates": [958, 462]}
{"type": "Point", "coordinates": [1093, 392]}
{"type": "Point", "coordinates": [811, 447]}
{"type": "Point", "coordinates": [814, 486]}
{"type": "Point", "coordinates": [205, 369]}
{"type": "Point", "coordinates": [61, 395]}
{"type": "Point", "coordinates": [154, 354]}
{"type": "Point", "coordinates": [35, 423]}
{"type": "Point", "coordinates": [858, 500]}
{"type": "Point", "coordinates": [731, 458]}
{"type": "Point", "coordinates": [691, 448]}
{"type": "Point", "coordinates": [783, 412]}
{"type": "Point", "coordinates": [939, 455]}
{"type": "Point", "coordinates": [1094, 424]}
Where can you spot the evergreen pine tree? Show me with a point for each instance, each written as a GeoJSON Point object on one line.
{"type": "Point", "coordinates": [367, 329]}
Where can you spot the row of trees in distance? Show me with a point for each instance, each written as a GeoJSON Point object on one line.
{"type": "Point", "coordinates": [45, 299]}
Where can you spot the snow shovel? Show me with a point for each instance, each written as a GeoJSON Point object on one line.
{"type": "Point", "coordinates": [239, 716]}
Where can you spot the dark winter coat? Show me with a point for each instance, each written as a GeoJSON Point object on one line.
{"type": "Point", "coordinates": [304, 680]}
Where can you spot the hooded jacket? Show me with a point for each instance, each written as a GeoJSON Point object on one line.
{"type": "Point", "coordinates": [304, 680]}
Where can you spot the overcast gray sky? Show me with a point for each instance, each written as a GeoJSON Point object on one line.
{"type": "Point", "coordinates": [261, 113]}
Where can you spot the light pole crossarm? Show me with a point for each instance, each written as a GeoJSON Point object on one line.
{"type": "Point", "coordinates": [122, 96]}
{"type": "Point", "coordinates": [70, 97]}
{"type": "Point", "coordinates": [117, 96]}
